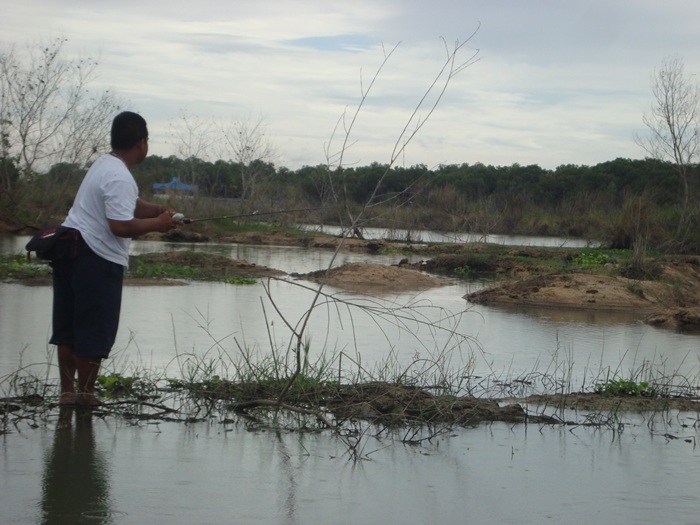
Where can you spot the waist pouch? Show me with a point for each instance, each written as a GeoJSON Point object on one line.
{"type": "Point", "coordinates": [56, 243]}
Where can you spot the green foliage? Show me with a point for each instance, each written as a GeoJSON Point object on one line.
{"type": "Point", "coordinates": [626, 387]}
{"type": "Point", "coordinates": [187, 265]}
{"type": "Point", "coordinates": [266, 383]}
{"type": "Point", "coordinates": [463, 271]}
{"type": "Point", "coordinates": [18, 267]}
{"type": "Point", "coordinates": [240, 280]}
{"type": "Point", "coordinates": [593, 259]}
{"type": "Point", "coordinates": [142, 269]}
{"type": "Point", "coordinates": [116, 384]}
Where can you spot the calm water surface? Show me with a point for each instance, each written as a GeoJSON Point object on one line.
{"type": "Point", "coordinates": [222, 473]}
{"type": "Point", "coordinates": [106, 472]}
{"type": "Point", "coordinates": [432, 236]}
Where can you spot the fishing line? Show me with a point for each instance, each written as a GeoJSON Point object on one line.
{"type": "Point", "coordinates": [187, 220]}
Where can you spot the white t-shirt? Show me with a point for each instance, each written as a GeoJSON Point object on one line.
{"type": "Point", "coordinates": [108, 191]}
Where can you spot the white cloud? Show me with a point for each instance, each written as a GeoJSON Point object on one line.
{"type": "Point", "coordinates": [559, 82]}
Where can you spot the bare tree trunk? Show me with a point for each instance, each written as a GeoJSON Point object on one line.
{"type": "Point", "coordinates": [674, 126]}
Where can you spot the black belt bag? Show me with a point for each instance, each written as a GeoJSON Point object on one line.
{"type": "Point", "coordinates": [56, 243]}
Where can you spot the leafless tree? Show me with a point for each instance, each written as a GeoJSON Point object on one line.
{"type": "Point", "coordinates": [48, 112]}
{"type": "Point", "coordinates": [674, 124]}
{"type": "Point", "coordinates": [247, 143]}
{"type": "Point", "coordinates": [453, 64]}
{"type": "Point", "coordinates": [193, 137]}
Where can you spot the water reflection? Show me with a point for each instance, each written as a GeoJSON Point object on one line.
{"type": "Point", "coordinates": [572, 316]}
{"type": "Point", "coordinates": [75, 487]}
{"type": "Point", "coordinates": [220, 473]}
{"type": "Point", "coordinates": [404, 235]}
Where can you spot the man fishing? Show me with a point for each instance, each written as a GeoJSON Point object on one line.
{"type": "Point", "coordinates": [106, 214]}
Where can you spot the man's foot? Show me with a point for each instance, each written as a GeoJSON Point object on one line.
{"type": "Point", "coordinates": [68, 398]}
{"type": "Point", "coordinates": [88, 400]}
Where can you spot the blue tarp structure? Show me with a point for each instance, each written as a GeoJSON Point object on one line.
{"type": "Point", "coordinates": [176, 185]}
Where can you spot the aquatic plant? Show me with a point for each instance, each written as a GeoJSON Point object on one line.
{"type": "Point", "coordinates": [115, 384]}
{"type": "Point", "coordinates": [19, 267]}
{"type": "Point", "coordinates": [593, 258]}
{"type": "Point", "coordinates": [626, 387]}
{"type": "Point", "coordinates": [139, 268]}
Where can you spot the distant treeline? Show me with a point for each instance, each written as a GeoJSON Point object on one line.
{"type": "Point", "coordinates": [615, 179]}
{"type": "Point", "coordinates": [609, 182]}
{"type": "Point", "coordinates": [616, 201]}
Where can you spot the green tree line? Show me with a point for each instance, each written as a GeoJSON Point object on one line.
{"type": "Point", "coordinates": [618, 202]}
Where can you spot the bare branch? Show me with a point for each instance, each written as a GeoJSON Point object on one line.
{"type": "Point", "coordinates": [49, 114]}
{"type": "Point", "coordinates": [674, 123]}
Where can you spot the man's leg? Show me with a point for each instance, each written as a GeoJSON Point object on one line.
{"type": "Point", "coordinates": [88, 368]}
{"type": "Point", "coordinates": [62, 324]}
{"type": "Point", "coordinates": [67, 366]}
{"type": "Point", "coordinates": [97, 306]}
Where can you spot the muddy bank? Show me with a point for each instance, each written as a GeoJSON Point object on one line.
{"type": "Point", "coordinates": [337, 406]}
{"type": "Point", "coordinates": [375, 278]}
{"type": "Point", "coordinates": [204, 266]}
{"type": "Point", "coordinates": [667, 296]}
{"type": "Point", "coordinates": [670, 299]}
{"type": "Point", "coordinates": [595, 402]}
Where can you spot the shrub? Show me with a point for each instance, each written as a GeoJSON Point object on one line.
{"type": "Point", "coordinates": [626, 387]}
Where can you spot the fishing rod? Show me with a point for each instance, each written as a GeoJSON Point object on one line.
{"type": "Point", "coordinates": [187, 220]}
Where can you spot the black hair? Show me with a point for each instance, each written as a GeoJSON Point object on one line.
{"type": "Point", "coordinates": [127, 129]}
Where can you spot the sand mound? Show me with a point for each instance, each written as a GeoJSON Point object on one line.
{"type": "Point", "coordinates": [370, 278]}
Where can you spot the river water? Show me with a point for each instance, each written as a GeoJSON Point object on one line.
{"type": "Point", "coordinates": [223, 472]}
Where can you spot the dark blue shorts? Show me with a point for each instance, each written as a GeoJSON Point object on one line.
{"type": "Point", "coordinates": [87, 296]}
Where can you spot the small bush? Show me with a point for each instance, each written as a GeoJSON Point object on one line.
{"type": "Point", "coordinates": [626, 387]}
{"type": "Point", "coordinates": [18, 267]}
{"type": "Point", "coordinates": [116, 384]}
{"type": "Point", "coordinates": [593, 259]}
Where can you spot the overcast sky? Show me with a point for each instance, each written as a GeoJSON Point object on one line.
{"type": "Point", "coordinates": [557, 81]}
